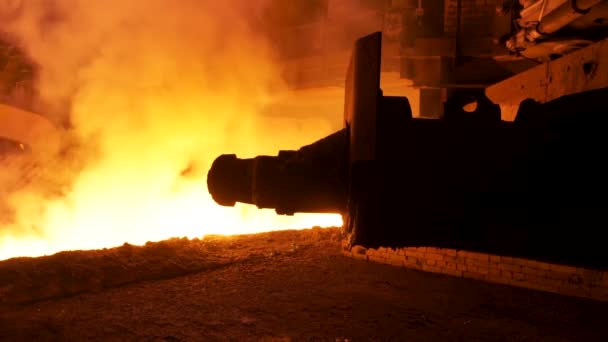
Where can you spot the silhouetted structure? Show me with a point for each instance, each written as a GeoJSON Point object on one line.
{"type": "Point", "coordinates": [532, 187]}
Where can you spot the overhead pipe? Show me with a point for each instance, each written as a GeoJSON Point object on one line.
{"type": "Point", "coordinates": [560, 17]}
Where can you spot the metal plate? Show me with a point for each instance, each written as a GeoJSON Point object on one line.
{"type": "Point", "coordinates": [361, 96]}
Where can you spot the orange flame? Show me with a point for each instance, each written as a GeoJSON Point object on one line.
{"type": "Point", "coordinates": [155, 87]}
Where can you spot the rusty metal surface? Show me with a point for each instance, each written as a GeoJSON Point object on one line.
{"type": "Point", "coordinates": [583, 70]}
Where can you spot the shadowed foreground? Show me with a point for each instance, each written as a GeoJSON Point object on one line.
{"type": "Point", "coordinates": [291, 285]}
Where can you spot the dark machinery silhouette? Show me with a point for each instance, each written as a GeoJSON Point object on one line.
{"type": "Point", "coordinates": [533, 187]}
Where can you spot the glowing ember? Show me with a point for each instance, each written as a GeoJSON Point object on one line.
{"type": "Point", "coordinates": [156, 91]}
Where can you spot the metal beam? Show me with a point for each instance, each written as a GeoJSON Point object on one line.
{"type": "Point", "coordinates": [585, 69]}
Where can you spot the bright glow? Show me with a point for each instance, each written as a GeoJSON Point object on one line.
{"type": "Point", "coordinates": [155, 87]}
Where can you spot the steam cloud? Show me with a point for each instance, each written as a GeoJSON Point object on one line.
{"type": "Point", "coordinates": [153, 91]}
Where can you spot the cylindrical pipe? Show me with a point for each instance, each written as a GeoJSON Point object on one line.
{"type": "Point", "coordinates": [564, 15]}
{"type": "Point", "coordinates": [542, 10]}
{"type": "Point", "coordinates": [309, 180]}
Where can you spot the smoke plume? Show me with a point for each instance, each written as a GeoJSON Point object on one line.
{"type": "Point", "coordinates": [148, 93]}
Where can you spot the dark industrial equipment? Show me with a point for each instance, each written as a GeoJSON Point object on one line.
{"type": "Point", "coordinates": [533, 187]}
{"type": "Point", "coordinates": [436, 47]}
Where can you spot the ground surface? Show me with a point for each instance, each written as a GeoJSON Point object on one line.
{"type": "Point", "coordinates": [279, 286]}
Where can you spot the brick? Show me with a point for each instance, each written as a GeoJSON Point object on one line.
{"type": "Point", "coordinates": [506, 260]}
{"type": "Point", "coordinates": [418, 261]}
{"type": "Point", "coordinates": [433, 269]}
{"type": "Point", "coordinates": [528, 263]}
{"type": "Point", "coordinates": [519, 272]}
{"type": "Point", "coordinates": [532, 264]}
{"type": "Point", "coordinates": [495, 259]}
{"type": "Point", "coordinates": [383, 254]}
{"type": "Point", "coordinates": [520, 262]}
{"type": "Point", "coordinates": [434, 256]}
{"type": "Point", "coordinates": [482, 270]}
{"type": "Point", "coordinates": [452, 272]}
{"type": "Point", "coordinates": [591, 277]}
{"type": "Point", "coordinates": [441, 264]}
{"type": "Point", "coordinates": [451, 265]}
{"type": "Point", "coordinates": [495, 267]}
{"type": "Point", "coordinates": [453, 258]}
{"type": "Point", "coordinates": [433, 250]}
{"type": "Point", "coordinates": [573, 285]}
{"type": "Point", "coordinates": [542, 265]}
{"type": "Point", "coordinates": [413, 253]}
{"type": "Point", "coordinates": [411, 259]}
{"type": "Point", "coordinates": [397, 258]}
{"type": "Point", "coordinates": [378, 255]}
{"type": "Point", "coordinates": [562, 268]}
{"type": "Point", "coordinates": [478, 263]}
{"type": "Point", "coordinates": [510, 267]}
{"type": "Point", "coordinates": [494, 272]}
{"type": "Point", "coordinates": [560, 275]}
{"type": "Point", "coordinates": [519, 276]}
{"type": "Point", "coordinates": [479, 256]}
{"type": "Point", "coordinates": [450, 252]}
{"type": "Point", "coordinates": [533, 271]}
{"type": "Point", "coordinates": [385, 250]}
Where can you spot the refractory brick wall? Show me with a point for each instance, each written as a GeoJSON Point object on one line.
{"type": "Point", "coordinates": [531, 274]}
